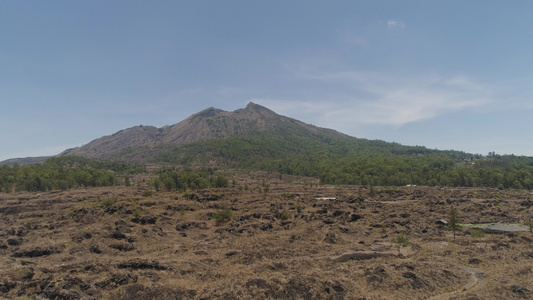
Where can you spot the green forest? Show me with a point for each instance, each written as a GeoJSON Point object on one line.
{"type": "Point", "coordinates": [183, 180]}
{"type": "Point", "coordinates": [61, 173]}
{"type": "Point", "coordinates": [332, 160]}
{"type": "Point", "coordinates": [358, 161]}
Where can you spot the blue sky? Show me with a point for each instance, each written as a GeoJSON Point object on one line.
{"type": "Point", "coordinates": [442, 74]}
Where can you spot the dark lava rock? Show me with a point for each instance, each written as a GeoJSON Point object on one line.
{"type": "Point", "coordinates": [376, 275]}
{"type": "Point", "coordinates": [332, 238]}
{"type": "Point", "coordinates": [267, 226]}
{"type": "Point", "coordinates": [340, 213]}
{"type": "Point", "coordinates": [335, 288]}
{"type": "Point", "coordinates": [355, 255]}
{"type": "Point", "coordinates": [34, 253]}
{"type": "Point", "coordinates": [144, 264]}
{"type": "Point", "coordinates": [95, 249]}
{"type": "Point", "coordinates": [474, 261]}
{"type": "Point", "coordinates": [57, 293]}
{"type": "Point", "coordinates": [521, 291]}
{"type": "Point", "coordinates": [231, 253]}
{"type": "Point", "coordinates": [77, 239]}
{"type": "Point", "coordinates": [123, 247]}
{"type": "Point", "coordinates": [416, 283]}
{"type": "Point", "coordinates": [116, 280]}
{"type": "Point", "coordinates": [355, 217]}
{"type": "Point", "coordinates": [14, 242]}
{"type": "Point", "coordinates": [144, 220]}
{"type": "Point", "coordinates": [294, 238]}
{"type": "Point", "coordinates": [117, 235]}
{"type": "Point", "coordinates": [7, 286]}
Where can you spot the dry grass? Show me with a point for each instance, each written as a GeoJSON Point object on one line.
{"type": "Point", "coordinates": [283, 244]}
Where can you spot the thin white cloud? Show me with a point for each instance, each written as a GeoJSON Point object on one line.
{"type": "Point", "coordinates": [381, 99]}
{"type": "Point", "coordinates": [393, 24]}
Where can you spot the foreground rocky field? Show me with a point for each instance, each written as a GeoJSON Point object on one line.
{"type": "Point", "coordinates": [265, 238]}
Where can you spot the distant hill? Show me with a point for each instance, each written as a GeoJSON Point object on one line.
{"type": "Point", "coordinates": [24, 161]}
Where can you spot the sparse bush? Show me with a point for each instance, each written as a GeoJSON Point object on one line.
{"type": "Point", "coordinates": [478, 233]}
{"type": "Point", "coordinates": [285, 215]}
{"type": "Point", "coordinates": [299, 209]}
{"type": "Point", "coordinates": [136, 213]}
{"type": "Point", "coordinates": [147, 193]}
{"type": "Point", "coordinates": [107, 203]}
{"type": "Point", "coordinates": [222, 216]}
{"type": "Point", "coordinates": [383, 228]}
{"type": "Point", "coordinates": [400, 241]}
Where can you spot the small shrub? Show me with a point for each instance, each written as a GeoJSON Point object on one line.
{"type": "Point", "coordinates": [478, 233]}
{"type": "Point", "coordinates": [400, 241]}
{"type": "Point", "coordinates": [299, 209]}
{"type": "Point", "coordinates": [136, 213]}
{"type": "Point", "coordinates": [147, 193]}
{"type": "Point", "coordinates": [383, 228]}
{"type": "Point", "coordinates": [107, 203]}
{"type": "Point", "coordinates": [222, 216]}
{"type": "Point", "coordinates": [285, 215]}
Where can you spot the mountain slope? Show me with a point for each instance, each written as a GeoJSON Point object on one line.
{"type": "Point", "coordinates": [141, 142]}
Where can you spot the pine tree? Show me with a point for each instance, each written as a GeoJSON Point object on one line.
{"type": "Point", "coordinates": [453, 220]}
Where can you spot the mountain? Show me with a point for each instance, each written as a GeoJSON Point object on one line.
{"type": "Point", "coordinates": [24, 161]}
{"type": "Point", "coordinates": [140, 143]}
{"type": "Point", "coordinates": [257, 139]}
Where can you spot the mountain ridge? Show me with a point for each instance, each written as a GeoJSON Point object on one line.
{"type": "Point", "coordinates": [210, 123]}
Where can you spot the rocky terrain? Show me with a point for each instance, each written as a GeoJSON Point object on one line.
{"type": "Point", "coordinates": [264, 238]}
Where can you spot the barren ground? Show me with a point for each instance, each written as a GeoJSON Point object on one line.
{"type": "Point", "coordinates": [115, 243]}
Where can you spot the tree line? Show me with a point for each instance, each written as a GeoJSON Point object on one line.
{"type": "Point", "coordinates": [358, 161]}
{"type": "Point", "coordinates": [61, 173]}
{"type": "Point", "coordinates": [187, 179]}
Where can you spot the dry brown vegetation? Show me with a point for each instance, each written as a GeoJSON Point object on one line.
{"type": "Point", "coordinates": [284, 243]}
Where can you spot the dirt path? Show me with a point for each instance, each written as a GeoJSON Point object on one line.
{"type": "Point", "coordinates": [475, 281]}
